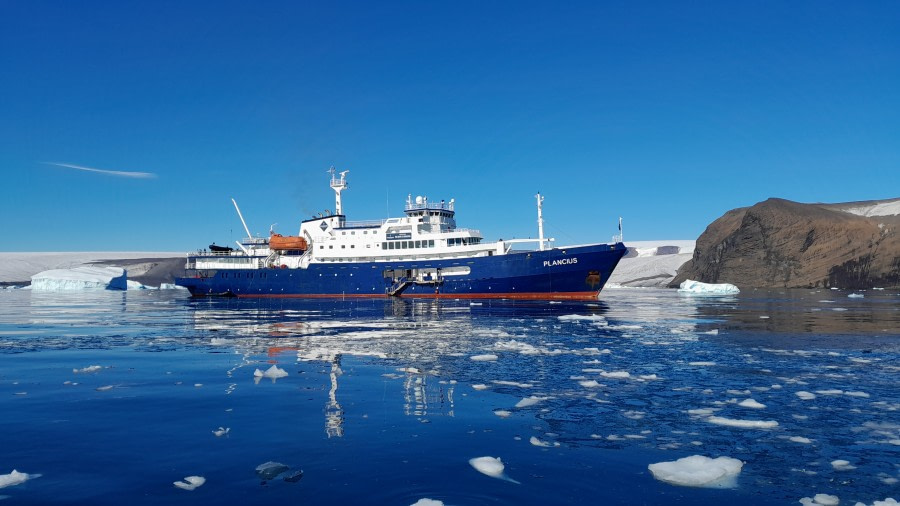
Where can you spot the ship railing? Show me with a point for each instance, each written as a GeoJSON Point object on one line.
{"type": "Point", "coordinates": [430, 206]}
{"type": "Point", "coordinates": [208, 253]}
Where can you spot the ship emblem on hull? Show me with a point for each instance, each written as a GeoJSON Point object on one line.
{"type": "Point", "coordinates": [323, 226]}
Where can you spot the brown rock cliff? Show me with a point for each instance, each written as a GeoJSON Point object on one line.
{"type": "Point", "coordinates": [782, 244]}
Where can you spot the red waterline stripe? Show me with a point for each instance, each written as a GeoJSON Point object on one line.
{"type": "Point", "coordinates": [514, 295]}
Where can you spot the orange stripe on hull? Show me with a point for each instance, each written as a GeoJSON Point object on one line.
{"type": "Point", "coordinates": [514, 295]}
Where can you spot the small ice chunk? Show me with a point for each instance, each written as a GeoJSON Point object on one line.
{"type": "Point", "coordinates": [15, 478]}
{"type": "Point", "coordinates": [698, 471]}
{"type": "Point", "coordinates": [820, 500]}
{"type": "Point", "coordinates": [806, 396]}
{"type": "Point", "coordinates": [273, 372]}
{"type": "Point", "coordinates": [529, 401]}
{"type": "Point", "coordinates": [856, 296]}
{"type": "Point", "coordinates": [190, 482]}
{"type": "Point", "coordinates": [221, 431]}
{"type": "Point", "coordinates": [751, 403]}
{"type": "Point", "coordinates": [490, 466]}
{"type": "Point", "coordinates": [104, 388]}
{"type": "Point", "coordinates": [480, 386]}
{"type": "Point", "coordinates": [427, 502]}
{"type": "Point", "coordinates": [502, 413]}
{"type": "Point", "coordinates": [800, 439]}
{"type": "Point", "coordinates": [743, 424]}
{"type": "Point", "coordinates": [544, 444]}
{"type": "Point", "coordinates": [487, 357]}
{"type": "Point", "coordinates": [832, 391]}
{"type": "Point", "coordinates": [616, 374]}
{"type": "Point", "coordinates": [842, 465]}
{"type": "Point", "coordinates": [697, 288]}
{"type": "Point", "coordinates": [589, 383]}
{"type": "Point", "coordinates": [702, 364]}
{"type": "Point", "coordinates": [88, 369]}
{"type": "Point", "coordinates": [269, 470]}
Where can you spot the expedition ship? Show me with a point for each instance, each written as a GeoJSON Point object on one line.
{"type": "Point", "coordinates": [423, 254]}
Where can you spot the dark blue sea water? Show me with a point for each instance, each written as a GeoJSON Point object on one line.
{"type": "Point", "coordinates": [383, 403]}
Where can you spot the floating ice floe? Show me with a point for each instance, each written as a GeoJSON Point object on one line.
{"type": "Point", "coordinates": [800, 439]}
{"type": "Point", "coordinates": [502, 413]}
{"type": "Point", "coordinates": [487, 357]}
{"type": "Point", "coordinates": [480, 386]}
{"type": "Point", "coordinates": [190, 482]}
{"type": "Point", "coordinates": [221, 431]}
{"type": "Point", "coordinates": [616, 374]}
{"type": "Point", "coordinates": [820, 500]}
{"type": "Point", "coordinates": [856, 296]}
{"type": "Point", "coordinates": [81, 278]}
{"type": "Point", "coordinates": [273, 372]}
{"type": "Point", "coordinates": [751, 403]}
{"type": "Point", "coordinates": [530, 401]}
{"type": "Point", "coordinates": [492, 467]}
{"type": "Point", "coordinates": [427, 502]}
{"type": "Point", "coordinates": [88, 369]}
{"type": "Point", "coordinates": [806, 396]}
{"type": "Point", "coordinates": [698, 471]}
{"type": "Point", "coordinates": [270, 470]}
{"type": "Point", "coordinates": [544, 444]}
{"type": "Point", "coordinates": [842, 465]}
{"type": "Point", "coordinates": [589, 383]}
{"type": "Point", "coordinates": [743, 424]}
{"type": "Point", "coordinates": [697, 288]}
{"type": "Point", "coordinates": [890, 501]}
{"type": "Point", "coordinates": [16, 478]}
{"type": "Point", "coordinates": [575, 317]}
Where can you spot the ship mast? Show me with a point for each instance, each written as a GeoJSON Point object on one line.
{"type": "Point", "coordinates": [338, 185]}
{"type": "Point", "coordinates": [540, 204]}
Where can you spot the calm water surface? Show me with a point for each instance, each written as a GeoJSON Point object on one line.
{"type": "Point", "coordinates": [383, 403]}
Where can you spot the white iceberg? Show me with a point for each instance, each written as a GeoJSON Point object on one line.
{"type": "Point", "coordinates": [190, 482]}
{"type": "Point", "coordinates": [697, 288]}
{"type": "Point", "coordinates": [15, 478]}
{"type": "Point", "coordinates": [273, 373]}
{"type": "Point", "coordinates": [171, 286]}
{"type": "Point", "coordinates": [698, 471]}
{"type": "Point", "coordinates": [428, 502]}
{"type": "Point", "coordinates": [490, 466]}
{"type": "Point", "coordinates": [81, 278]}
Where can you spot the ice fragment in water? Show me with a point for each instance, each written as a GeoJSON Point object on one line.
{"type": "Point", "coordinates": [15, 478]}
{"type": "Point", "coordinates": [488, 357]}
{"type": "Point", "coordinates": [856, 296]}
{"type": "Point", "coordinates": [490, 466]}
{"type": "Point", "coordinates": [221, 431]}
{"type": "Point", "coordinates": [530, 401]}
{"type": "Point", "coordinates": [427, 502]}
{"type": "Point", "coordinates": [697, 288]}
{"type": "Point", "coordinates": [820, 500]}
{"type": "Point", "coordinates": [806, 396]}
{"type": "Point", "coordinates": [698, 471]}
{"type": "Point", "coordinates": [751, 403]}
{"type": "Point", "coordinates": [545, 444]}
{"type": "Point", "coordinates": [190, 482]}
{"type": "Point", "coordinates": [104, 388]}
{"type": "Point", "coordinates": [88, 369]}
{"type": "Point", "coordinates": [502, 413]}
{"type": "Point", "coordinates": [273, 372]}
{"type": "Point", "coordinates": [842, 465]}
{"type": "Point", "coordinates": [800, 439]}
{"type": "Point", "coordinates": [269, 470]}
{"type": "Point", "coordinates": [80, 278]}
{"type": "Point", "coordinates": [294, 477]}
{"type": "Point", "coordinates": [480, 386]}
{"type": "Point", "coordinates": [743, 424]}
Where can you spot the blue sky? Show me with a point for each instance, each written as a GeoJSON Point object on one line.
{"type": "Point", "coordinates": [665, 113]}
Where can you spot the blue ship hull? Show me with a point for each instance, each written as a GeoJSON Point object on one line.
{"type": "Point", "coordinates": [577, 273]}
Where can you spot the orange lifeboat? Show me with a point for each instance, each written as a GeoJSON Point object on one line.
{"type": "Point", "coordinates": [280, 242]}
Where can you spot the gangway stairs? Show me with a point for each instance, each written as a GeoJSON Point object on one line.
{"type": "Point", "coordinates": [401, 284]}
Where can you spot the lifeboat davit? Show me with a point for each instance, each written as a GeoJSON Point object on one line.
{"type": "Point", "coordinates": [291, 242]}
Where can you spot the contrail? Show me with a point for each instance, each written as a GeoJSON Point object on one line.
{"type": "Point", "coordinates": [120, 173]}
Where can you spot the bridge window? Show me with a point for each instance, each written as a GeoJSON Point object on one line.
{"type": "Point", "coordinates": [384, 245]}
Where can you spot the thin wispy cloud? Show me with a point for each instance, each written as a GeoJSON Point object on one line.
{"type": "Point", "coordinates": [118, 173]}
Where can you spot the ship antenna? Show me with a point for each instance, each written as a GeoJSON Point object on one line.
{"type": "Point", "coordinates": [241, 216]}
{"type": "Point", "coordinates": [540, 205]}
{"type": "Point", "coordinates": [338, 185]}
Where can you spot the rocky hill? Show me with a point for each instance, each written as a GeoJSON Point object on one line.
{"type": "Point", "coordinates": [784, 244]}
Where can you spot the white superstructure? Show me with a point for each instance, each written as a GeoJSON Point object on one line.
{"type": "Point", "coordinates": [427, 231]}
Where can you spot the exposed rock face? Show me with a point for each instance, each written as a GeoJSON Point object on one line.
{"type": "Point", "coordinates": [784, 244]}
